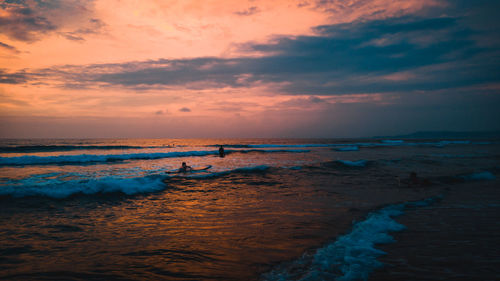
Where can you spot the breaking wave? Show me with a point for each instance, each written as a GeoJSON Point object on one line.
{"type": "Point", "coordinates": [479, 176]}
{"type": "Point", "coordinates": [352, 256]}
{"type": "Point", "coordinates": [358, 163]}
{"type": "Point", "coordinates": [61, 189]}
{"type": "Point", "coordinates": [49, 185]}
{"type": "Point", "coordinates": [347, 148]}
{"type": "Point", "coordinates": [381, 143]}
{"type": "Point", "coordinates": [55, 148]}
{"type": "Point", "coordinates": [90, 158]}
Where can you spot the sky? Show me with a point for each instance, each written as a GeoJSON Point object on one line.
{"type": "Point", "coordinates": [254, 68]}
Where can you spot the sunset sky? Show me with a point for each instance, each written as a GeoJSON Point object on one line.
{"type": "Point", "coordinates": [217, 68]}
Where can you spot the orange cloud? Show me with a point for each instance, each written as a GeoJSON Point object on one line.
{"type": "Point", "coordinates": [125, 37]}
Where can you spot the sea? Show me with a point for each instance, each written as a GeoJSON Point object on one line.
{"type": "Point", "coordinates": [271, 209]}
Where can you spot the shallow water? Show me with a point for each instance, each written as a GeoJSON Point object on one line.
{"type": "Point", "coordinates": [259, 209]}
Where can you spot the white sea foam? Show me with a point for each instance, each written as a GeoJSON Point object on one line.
{"type": "Point", "coordinates": [90, 158]}
{"type": "Point", "coordinates": [347, 148]}
{"type": "Point", "coordinates": [57, 188]}
{"type": "Point", "coordinates": [392, 141]}
{"type": "Point", "coordinates": [480, 176]}
{"type": "Point", "coordinates": [352, 256]}
{"type": "Point", "coordinates": [385, 143]}
{"type": "Point", "coordinates": [289, 145]}
{"type": "Point", "coordinates": [56, 185]}
{"type": "Point", "coordinates": [445, 142]}
{"type": "Point", "coordinates": [268, 151]}
{"type": "Point", "coordinates": [382, 143]}
{"type": "Point", "coordinates": [359, 163]}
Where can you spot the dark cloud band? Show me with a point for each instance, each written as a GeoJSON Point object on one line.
{"type": "Point", "coordinates": [30, 21]}
{"type": "Point", "coordinates": [392, 55]}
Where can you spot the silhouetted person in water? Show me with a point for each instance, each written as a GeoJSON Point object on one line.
{"type": "Point", "coordinates": [221, 151]}
{"type": "Point", "coordinates": [185, 168]}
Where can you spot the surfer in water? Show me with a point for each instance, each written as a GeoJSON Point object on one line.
{"type": "Point", "coordinates": [221, 151]}
{"type": "Point", "coordinates": [185, 168]}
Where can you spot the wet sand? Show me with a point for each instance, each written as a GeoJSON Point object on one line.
{"type": "Point", "coordinates": [457, 238]}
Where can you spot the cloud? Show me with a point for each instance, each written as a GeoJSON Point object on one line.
{"type": "Point", "coordinates": [248, 12]}
{"type": "Point", "coordinates": [13, 78]}
{"type": "Point", "coordinates": [314, 99]}
{"type": "Point", "coordinates": [303, 4]}
{"type": "Point", "coordinates": [29, 21]}
{"type": "Point", "coordinates": [373, 9]}
{"type": "Point", "coordinates": [462, 110]}
{"type": "Point", "coordinates": [21, 22]}
{"type": "Point", "coordinates": [372, 75]}
{"type": "Point", "coordinates": [93, 26]}
{"type": "Point", "coordinates": [408, 53]}
{"type": "Point", "coordinates": [9, 48]}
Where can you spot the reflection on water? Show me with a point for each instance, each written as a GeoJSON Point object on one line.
{"type": "Point", "coordinates": [227, 228]}
{"type": "Point", "coordinates": [230, 227]}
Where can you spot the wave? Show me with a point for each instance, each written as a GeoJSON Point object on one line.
{"type": "Point", "coordinates": [359, 163]}
{"type": "Point", "coordinates": [479, 176]}
{"type": "Point", "coordinates": [392, 141]}
{"type": "Point", "coordinates": [274, 145]}
{"type": "Point", "coordinates": [348, 164]}
{"type": "Point", "coordinates": [56, 188]}
{"type": "Point", "coordinates": [267, 151]}
{"type": "Point", "coordinates": [49, 185]}
{"type": "Point", "coordinates": [445, 142]}
{"type": "Point", "coordinates": [381, 143]}
{"type": "Point", "coordinates": [352, 256]}
{"type": "Point", "coordinates": [56, 148]}
{"type": "Point", "coordinates": [347, 148]}
{"type": "Point", "coordinates": [90, 158]}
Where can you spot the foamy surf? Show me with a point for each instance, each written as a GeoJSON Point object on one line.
{"type": "Point", "coordinates": [347, 148]}
{"type": "Point", "coordinates": [56, 148]}
{"type": "Point", "coordinates": [56, 185]}
{"type": "Point", "coordinates": [352, 256]}
{"type": "Point", "coordinates": [479, 176]}
{"type": "Point", "coordinates": [57, 188]}
{"type": "Point", "coordinates": [269, 204]}
{"type": "Point", "coordinates": [392, 141]}
{"type": "Point", "coordinates": [358, 163]}
{"type": "Point", "coordinates": [278, 145]}
{"type": "Point", "coordinates": [90, 158]}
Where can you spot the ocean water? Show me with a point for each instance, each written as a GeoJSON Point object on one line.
{"type": "Point", "coordinates": [272, 209]}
